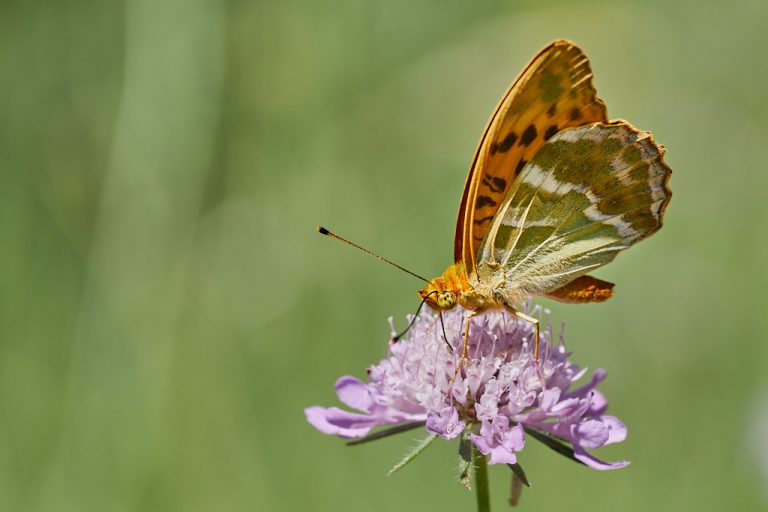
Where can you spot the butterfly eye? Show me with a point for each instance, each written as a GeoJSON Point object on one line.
{"type": "Point", "coordinates": [446, 299]}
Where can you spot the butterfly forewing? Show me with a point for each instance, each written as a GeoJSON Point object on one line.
{"type": "Point", "coordinates": [588, 193]}
{"type": "Point", "coordinates": [553, 92]}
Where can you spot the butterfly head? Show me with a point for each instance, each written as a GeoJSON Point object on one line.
{"type": "Point", "coordinates": [447, 290]}
{"type": "Point", "coordinates": [437, 297]}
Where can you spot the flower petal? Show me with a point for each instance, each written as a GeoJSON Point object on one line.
{"type": "Point", "coordinates": [564, 407]}
{"type": "Point", "coordinates": [500, 441]}
{"type": "Point", "coordinates": [481, 444]}
{"type": "Point", "coordinates": [516, 438]}
{"type": "Point", "coordinates": [446, 424]}
{"type": "Point", "coordinates": [354, 393]}
{"type": "Point", "coordinates": [334, 421]}
{"type": "Point", "coordinates": [597, 403]}
{"type": "Point", "coordinates": [596, 463]}
{"type": "Point", "coordinates": [548, 399]}
{"type": "Point", "coordinates": [501, 455]}
{"type": "Point", "coordinates": [590, 434]}
{"type": "Point", "coordinates": [617, 432]}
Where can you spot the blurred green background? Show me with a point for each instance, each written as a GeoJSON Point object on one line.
{"type": "Point", "coordinates": [167, 311]}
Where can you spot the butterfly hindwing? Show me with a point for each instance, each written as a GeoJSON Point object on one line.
{"type": "Point", "coordinates": [588, 193]}
{"type": "Point", "coordinates": [552, 93]}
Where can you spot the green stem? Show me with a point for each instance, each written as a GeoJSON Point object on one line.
{"type": "Point", "coordinates": [481, 481]}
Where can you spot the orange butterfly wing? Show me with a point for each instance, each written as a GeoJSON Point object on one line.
{"type": "Point", "coordinates": [583, 289]}
{"type": "Point", "coordinates": [553, 92]}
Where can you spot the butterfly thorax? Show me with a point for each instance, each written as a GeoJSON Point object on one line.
{"type": "Point", "coordinates": [455, 287]}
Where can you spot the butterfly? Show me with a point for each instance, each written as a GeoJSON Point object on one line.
{"type": "Point", "coordinates": [555, 191]}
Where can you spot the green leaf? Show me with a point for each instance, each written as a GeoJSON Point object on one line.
{"type": "Point", "coordinates": [465, 459]}
{"type": "Point", "coordinates": [413, 454]}
{"type": "Point", "coordinates": [517, 471]}
{"type": "Point", "coordinates": [381, 434]}
{"type": "Point", "coordinates": [555, 443]}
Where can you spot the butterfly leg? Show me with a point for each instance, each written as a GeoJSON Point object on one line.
{"type": "Point", "coordinates": [535, 322]}
{"type": "Point", "coordinates": [463, 359]}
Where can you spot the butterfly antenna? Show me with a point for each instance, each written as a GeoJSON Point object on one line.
{"type": "Point", "coordinates": [445, 336]}
{"type": "Point", "coordinates": [323, 231]}
{"type": "Point", "coordinates": [396, 338]}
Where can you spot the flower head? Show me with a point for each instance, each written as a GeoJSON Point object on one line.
{"type": "Point", "coordinates": [498, 393]}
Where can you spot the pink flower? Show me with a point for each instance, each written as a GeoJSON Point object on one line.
{"type": "Point", "coordinates": [498, 394]}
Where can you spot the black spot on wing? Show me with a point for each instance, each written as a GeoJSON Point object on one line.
{"type": "Point", "coordinates": [520, 166]}
{"type": "Point", "coordinates": [505, 144]}
{"type": "Point", "coordinates": [550, 132]}
{"type": "Point", "coordinates": [528, 135]}
{"type": "Point", "coordinates": [552, 110]}
{"type": "Point", "coordinates": [575, 114]}
{"type": "Point", "coordinates": [483, 201]}
{"type": "Point", "coordinates": [482, 221]}
{"type": "Point", "coordinates": [495, 184]}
